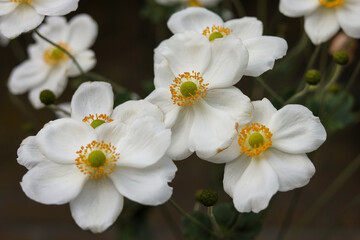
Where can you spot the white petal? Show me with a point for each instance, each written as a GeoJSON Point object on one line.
{"type": "Point", "coordinates": [233, 172]}
{"type": "Point", "coordinates": [129, 111]}
{"type": "Point", "coordinates": [162, 98]}
{"type": "Point", "coordinates": [59, 140]}
{"type": "Point", "coordinates": [112, 132]}
{"type": "Point", "coordinates": [51, 8]}
{"type": "Point", "coordinates": [23, 19]}
{"type": "Point", "coordinates": [246, 27]}
{"type": "Point", "coordinates": [29, 154]}
{"type": "Point", "coordinates": [227, 154]}
{"type": "Point", "coordinates": [7, 7]}
{"type": "Point", "coordinates": [263, 111]}
{"type": "Point", "coordinates": [56, 82]}
{"type": "Point", "coordinates": [193, 18]}
{"type": "Point", "coordinates": [295, 130]}
{"type": "Point", "coordinates": [65, 106]}
{"type": "Point", "coordinates": [179, 148]}
{"type": "Point", "coordinates": [146, 142]}
{"type": "Point", "coordinates": [52, 183]}
{"type": "Point", "coordinates": [163, 75]}
{"type": "Point", "coordinates": [263, 51]}
{"type": "Point", "coordinates": [98, 205]}
{"type": "Point", "coordinates": [296, 8]}
{"type": "Point", "coordinates": [228, 62]}
{"type": "Point", "coordinates": [257, 184]}
{"type": "Point", "coordinates": [147, 186]}
{"type": "Point", "coordinates": [348, 16]}
{"type": "Point", "coordinates": [293, 171]}
{"type": "Point", "coordinates": [212, 130]}
{"type": "Point", "coordinates": [187, 52]}
{"type": "Point", "coordinates": [86, 60]}
{"type": "Point", "coordinates": [36, 52]}
{"type": "Point", "coordinates": [83, 31]}
{"type": "Point", "coordinates": [233, 102]}
{"type": "Point", "coordinates": [92, 98]}
{"type": "Point", "coordinates": [321, 25]}
{"type": "Point", "coordinates": [55, 28]}
{"type": "Point", "coordinates": [27, 75]}
{"type": "Point", "coordinates": [158, 58]}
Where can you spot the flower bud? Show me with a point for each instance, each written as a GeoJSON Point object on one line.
{"type": "Point", "coordinates": [47, 97]}
{"type": "Point", "coordinates": [208, 197]}
{"type": "Point", "coordinates": [313, 77]}
{"type": "Point", "coordinates": [341, 57]}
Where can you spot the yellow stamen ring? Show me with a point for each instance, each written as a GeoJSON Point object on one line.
{"type": "Point", "coordinates": [331, 3]}
{"type": "Point", "coordinates": [188, 89]}
{"type": "Point", "coordinates": [194, 3]}
{"type": "Point", "coordinates": [21, 1]}
{"type": "Point", "coordinates": [97, 159]}
{"type": "Point", "coordinates": [97, 120]}
{"type": "Point", "coordinates": [53, 55]}
{"type": "Point", "coordinates": [254, 139]}
{"type": "Point", "coordinates": [216, 32]}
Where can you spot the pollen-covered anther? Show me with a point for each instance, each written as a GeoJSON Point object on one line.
{"type": "Point", "coordinates": [194, 3]}
{"type": "Point", "coordinates": [216, 32]}
{"type": "Point", "coordinates": [21, 1]}
{"type": "Point", "coordinates": [97, 120]}
{"type": "Point", "coordinates": [53, 55]}
{"type": "Point", "coordinates": [331, 3]}
{"type": "Point", "coordinates": [188, 89]}
{"type": "Point", "coordinates": [97, 159]}
{"type": "Point", "coordinates": [254, 139]}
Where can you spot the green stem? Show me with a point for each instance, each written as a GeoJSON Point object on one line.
{"type": "Point", "coordinates": [239, 8]}
{"type": "Point", "coordinates": [97, 77]}
{"type": "Point", "coordinates": [309, 66]}
{"type": "Point", "coordinates": [350, 169]}
{"type": "Point", "coordinates": [62, 49]}
{"type": "Point", "coordinates": [269, 89]}
{"type": "Point", "coordinates": [191, 218]}
{"type": "Point", "coordinates": [214, 223]}
{"type": "Point", "coordinates": [238, 220]}
{"type": "Point", "coordinates": [298, 95]}
{"type": "Point", "coordinates": [54, 107]}
{"type": "Point", "coordinates": [299, 48]}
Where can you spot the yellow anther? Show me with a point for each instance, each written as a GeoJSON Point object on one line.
{"type": "Point", "coordinates": [53, 55]}
{"type": "Point", "coordinates": [194, 3]}
{"type": "Point", "coordinates": [331, 3]}
{"type": "Point", "coordinates": [254, 139]}
{"type": "Point", "coordinates": [216, 32]}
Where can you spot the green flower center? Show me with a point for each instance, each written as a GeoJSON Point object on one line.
{"type": "Point", "coordinates": [97, 123]}
{"type": "Point", "coordinates": [188, 89]}
{"type": "Point", "coordinates": [97, 159]}
{"type": "Point", "coordinates": [215, 35]}
{"type": "Point", "coordinates": [256, 140]}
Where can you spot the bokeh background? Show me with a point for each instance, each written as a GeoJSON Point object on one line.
{"type": "Point", "coordinates": [124, 51]}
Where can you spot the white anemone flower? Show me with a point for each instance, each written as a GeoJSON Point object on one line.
{"type": "Point", "coordinates": [18, 16]}
{"type": "Point", "coordinates": [263, 50]}
{"type": "Point", "coordinates": [69, 161]}
{"type": "Point", "coordinates": [269, 154]}
{"type": "Point", "coordinates": [194, 88]}
{"type": "Point", "coordinates": [48, 67]}
{"type": "Point", "coordinates": [324, 18]}
{"type": "Point", "coordinates": [190, 3]}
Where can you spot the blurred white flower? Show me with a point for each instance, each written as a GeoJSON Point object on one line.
{"type": "Point", "coordinates": [194, 88]}
{"type": "Point", "coordinates": [190, 3]}
{"type": "Point", "coordinates": [94, 167]}
{"type": "Point", "coordinates": [323, 18]}
{"type": "Point", "coordinates": [269, 154]}
{"type": "Point", "coordinates": [49, 67]}
{"type": "Point", "coordinates": [263, 50]}
{"type": "Point", "coordinates": [18, 16]}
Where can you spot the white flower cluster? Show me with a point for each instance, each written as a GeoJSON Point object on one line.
{"type": "Point", "coordinates": [100, 155]}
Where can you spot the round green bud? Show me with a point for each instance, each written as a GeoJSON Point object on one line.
{"type": "Point", "coordinates": [335, 88]}
{"type": "Point", "coordinates": [256, 140]}
{"type": "Point", "coordinates": [215, 35]}
{"type": "Point", "coordinates": [188, 89]}
{"type": "Point", "coordinates": [97, 123]}
{"type": "Point", "coordinates": [47, 97]}
{"type": "Point", "coordinates": [208, 197]}
{"type": "Point", "coordinates": [341, 57]}
{"type": "Point", "coordinates": [96, 158]}
{"type": "Point", "coordinates": [313, 77]}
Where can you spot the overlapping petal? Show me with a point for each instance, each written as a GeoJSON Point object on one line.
{"type": "Point", "coordinates": [245, 28]}
{"type": "Point", "coordinates": [52, 8]}
{"type": "Point", "coordinates": [263, 111]}
{"type": "Point", "coordinates": [83, 31]}
{"type": "Point", "coordinates": [29, 154]}
{"type": "Point", "coordinates": [86, 60]}
{"type": "Point", "coordinates": [295, 8]}
{"type": "Point", "coordinates": [348, 16]}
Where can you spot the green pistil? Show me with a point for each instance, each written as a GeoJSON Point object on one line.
{"type": "Point", "coordinates": [256, 140]}
{"type": "Point", "coordinates": [188, 89]}
{"type": "Point", "coordinates": [97, 158]}
{"type": "Point", "coordinates": [97, 123]}
{"type": "Point", "coordinates": [215, 35]}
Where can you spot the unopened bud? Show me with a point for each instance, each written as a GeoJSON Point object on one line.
{"type": "Point", "coordinates": [341, 57]}
{"type": "Point", "coordinates": [208, 197]}
{"type": "Point", "coordinates": [313, 77]}
{"type": "Point", "coordinates": [47, 97]}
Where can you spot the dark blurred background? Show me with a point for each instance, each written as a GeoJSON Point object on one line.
{"type": "Point", "coordinates": [124, 50]}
